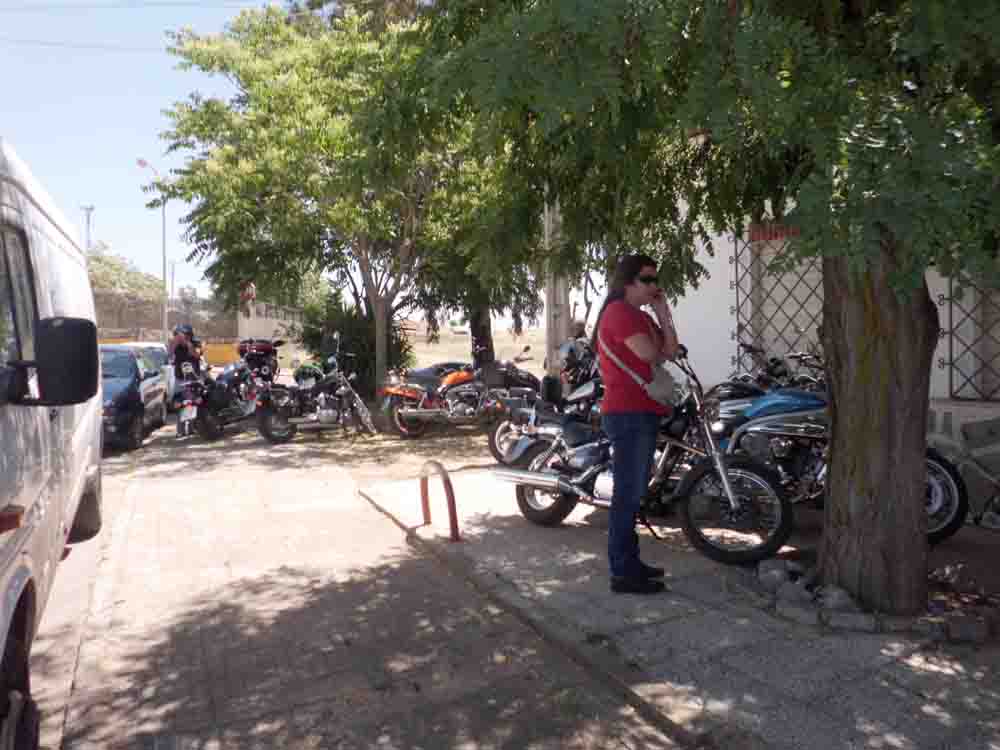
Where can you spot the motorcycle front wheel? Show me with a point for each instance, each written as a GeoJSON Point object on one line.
{"type": "Point", "coordinates": [364, 415]}
{"type": "Point", "coordinates": [947, 498]}
{"type": "Point", "coordinates": [755, 530]}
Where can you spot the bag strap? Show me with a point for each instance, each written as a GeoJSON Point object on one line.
{"type": "Point", "coordinates": [624, 367]}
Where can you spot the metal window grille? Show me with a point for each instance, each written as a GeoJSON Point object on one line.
{"type": "Point", "coordinates": [973, 342]}
{"type": "Point", "coordinates": [781, 311]}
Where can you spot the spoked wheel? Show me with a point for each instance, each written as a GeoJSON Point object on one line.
{"type": "Point", "coordinates": [543, 507]}
{"type": "Point", "coordinates": [754, 530]}
{"type": "Point", "coordinates": [364, 414]}
{"type": "Point", "coordinates": [947, 499]}
{"type": "Point", "coordinates": [501, 436]}
{"type": "Point", "coordinates": [407, 428]}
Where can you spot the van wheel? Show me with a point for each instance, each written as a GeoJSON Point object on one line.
{"type": "Point", "coordinates": [136, 433]}
{"type": "Point", "coordinates": [28, 733]}
{"type": "Point", "coordinates": [89, 514]}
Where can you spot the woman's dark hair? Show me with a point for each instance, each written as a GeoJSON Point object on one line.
{"type": "Point", "coordinates": [627, 270]}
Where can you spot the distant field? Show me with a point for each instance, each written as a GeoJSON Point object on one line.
{"type": "Point", "coordinates": [453, 347]}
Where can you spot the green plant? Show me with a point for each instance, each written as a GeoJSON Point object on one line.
{"type": "Point", "coordinates": [357, 336]}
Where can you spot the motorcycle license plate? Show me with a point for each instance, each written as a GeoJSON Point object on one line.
{"type": "Point", "coordinates": [188, 413]}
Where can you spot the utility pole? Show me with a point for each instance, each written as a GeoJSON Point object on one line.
{"type": "Point", "coordinates": [87, 210]}
{"type": "Point", "coordinates": [557, 314]}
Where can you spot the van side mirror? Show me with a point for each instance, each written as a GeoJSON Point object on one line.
{"type": "Point", "coordinates": [66, 361]}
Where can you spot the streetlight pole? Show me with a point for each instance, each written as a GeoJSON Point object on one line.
{"type": "Point", "coordinates": [143, 164]}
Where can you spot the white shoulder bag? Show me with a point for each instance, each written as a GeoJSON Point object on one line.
{"type": "Point", "coordinates": [660, 388]}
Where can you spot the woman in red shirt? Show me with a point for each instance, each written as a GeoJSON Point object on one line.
{"type": "Point", "coordinates": [631, 418]}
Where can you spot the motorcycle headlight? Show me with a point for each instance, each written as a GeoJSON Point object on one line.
{"type": "Point", "coordinates": [393, 379]}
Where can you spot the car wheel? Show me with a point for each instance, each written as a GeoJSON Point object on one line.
{"type": "Point", "coordinates": [136, 433]}
{"type": "Point", "coordinates": [161, 416]}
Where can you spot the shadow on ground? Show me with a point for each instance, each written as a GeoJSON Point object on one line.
{"type": "Point", "coordinates": [720, 667]}
{"type": "Point", "coordinates": [367, 457]}
{"type": "Point", "coordinates": [398, 654]}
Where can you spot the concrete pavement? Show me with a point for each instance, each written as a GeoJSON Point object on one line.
{"type": "Point", "coordinates": [247, 597]}
{"type": "Point", "coordinates": [712, 664]}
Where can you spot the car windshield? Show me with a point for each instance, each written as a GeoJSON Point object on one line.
{"type": "Point", "coordinates": [157, 356]}
{"type": "Point", "coordinates": [117, 364]}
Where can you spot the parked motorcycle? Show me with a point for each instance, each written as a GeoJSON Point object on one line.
{"type": "Point", "coordinates": [579, 377]}
{"type": "Point", "coordinates": [788, 428]}
{"type": "Point", "coordinates": [321, 398]}
{"type": "Point", "coordinates": [462, 396]}
{"type": "Point", "coordinates": [261, 356]}
{"type": "Point", "coordinates": [221, 402]}
{"type": "Point", "coordinates": [732, 508]}
{"type": "Point", "coordinates": [186, 401]}
{"type": "Point", "coordinates": [543, 417]}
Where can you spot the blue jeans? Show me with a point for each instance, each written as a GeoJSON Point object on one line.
{"type": "Point", "coordinates": [633, 436]}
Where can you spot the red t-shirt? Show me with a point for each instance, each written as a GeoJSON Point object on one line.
{"type": "Point", "coordinates": [621, 393]}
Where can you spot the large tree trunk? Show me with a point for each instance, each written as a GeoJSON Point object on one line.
{"type": "Point", "coordinates": [380, 307]}
{"type": "Point", "coordinates": [879, 350]}
{"type": "Point", "coordinates": [481, 331]}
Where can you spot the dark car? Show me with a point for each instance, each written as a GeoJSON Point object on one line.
{"type": "Point", "coordinates": [134, 395]}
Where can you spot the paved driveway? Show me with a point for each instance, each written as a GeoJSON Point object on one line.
{"type": "Point", "coordinates": [244, 595]}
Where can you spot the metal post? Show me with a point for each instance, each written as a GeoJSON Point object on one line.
{"type": "Point", "coordinates": [166, 296]}
{"type": "Point", "coordinates": [87, 210]}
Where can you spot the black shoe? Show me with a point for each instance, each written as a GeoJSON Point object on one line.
{"type": "Point", "coordinates": [623, 585]}
{"type": "Point", "coordinates": [650, 571]}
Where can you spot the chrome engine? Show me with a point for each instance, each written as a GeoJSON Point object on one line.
{"type": "Point", "coordinates": [463, 400]}
{"type": "Point", "coordinates": [326, 411]}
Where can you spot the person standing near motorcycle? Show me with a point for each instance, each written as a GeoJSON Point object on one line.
{"type": "Point", "coordinates": [181, 350]}
{"type": "Point", "coordinates": [631, 418]}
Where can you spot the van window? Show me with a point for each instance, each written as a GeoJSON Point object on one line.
{"type": "Point", "coordinates": [17, 299]}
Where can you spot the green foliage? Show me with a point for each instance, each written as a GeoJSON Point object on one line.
{"type": "Point", "coordinates": [659, 123]}
{"type": "Point", "coordinates": [357, 335]}
{"type": "Point", "coordinates": [117, 277]}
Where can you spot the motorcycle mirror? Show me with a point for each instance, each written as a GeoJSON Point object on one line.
{"type": "Point", "coordinates": [352, 377]}
{"type": "Point", "coordinates": [526, 349]}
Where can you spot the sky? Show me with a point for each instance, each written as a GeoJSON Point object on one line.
{"type": "Point", "coordinates": [83, 86]}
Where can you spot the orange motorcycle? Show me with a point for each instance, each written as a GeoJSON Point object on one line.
{"type": "Point", "coordinates": [454, 393]}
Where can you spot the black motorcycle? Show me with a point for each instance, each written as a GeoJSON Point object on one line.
{"type": "Point", "coordinates": [577, 391]}
{"type": "Point", "coordinates": [732, 508]}
{"type": "Point", "coordinates": [321, 398]}
{"type": "Point", "coordinates": [213, 404]}
{"type": "Point", "coordinates": [261, 356]}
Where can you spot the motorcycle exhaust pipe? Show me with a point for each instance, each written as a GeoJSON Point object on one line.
{"type": "Point", "coordinates": [423, 413]}
{"type": "Point", "coordinates": [550, 482]}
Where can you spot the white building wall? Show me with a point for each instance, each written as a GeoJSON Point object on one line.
{"type": "Point", "coordinates": [939, 375]}
{"type": "Point", "coordinates": [704, 317]}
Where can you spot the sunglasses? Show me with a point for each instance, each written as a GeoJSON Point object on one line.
{"type": "Point", "coordinates": [648, 279]}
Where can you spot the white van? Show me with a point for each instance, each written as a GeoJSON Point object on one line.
{"type": "Point", "coordinates": [50, 423]}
